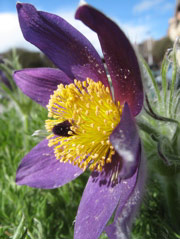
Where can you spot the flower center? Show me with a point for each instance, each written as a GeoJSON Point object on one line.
{"type": "Point", "coordinates": [82, 117]}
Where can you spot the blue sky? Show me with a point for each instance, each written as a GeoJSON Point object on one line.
{"type": "Point", "coordinates": [140, 19]}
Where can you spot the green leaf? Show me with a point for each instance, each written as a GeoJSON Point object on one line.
{"type": "Point", "coordinates": [152, 79]}
{"type": "Point", "coordinates": [20, 229]}
{"type": "Point", "coordinates": [164, 69]}
{"type": "Point", "coordinates": [174, 74]}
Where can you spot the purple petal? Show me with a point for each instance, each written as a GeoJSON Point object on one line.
{"type": "Point", "coordinates": [40, 169]}
{"type": "Point", "coordinates": [128, 204]}
{"type": "Point", "coordinates": [40, 83]}
{"type": "Point", "coordinates": [62, 43]}
{"type": "Point", "coordinates": [126, 142]}
{"type": "Point", "coordinates": [127, 188]}
{"type": "Point", "coordinates": [101, 196]}
{"type": "Point", "coordinates": [96, 207]}
{"type": "Point", "coordinates": [119, 56]}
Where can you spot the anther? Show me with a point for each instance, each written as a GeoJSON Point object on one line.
{"type": "Point", "coordinates": [99, 128]}
{"type": "Point", "coordinates": [99, 167]}
{"type": "Point", "coordinates": [108, 142]}
{"type": "Point", "coordinates": [83, 92]}
{"type": "Point", "coordinates": [84, 83]}
{"type": "Point", "coordinates": [107, 89]}
{"type": "Point", "coordinates": [100, 102]}
{"type": "Point", "coordinates": [87, 105]}
{"type": "Point", "coordinates": [94, 156]}
{"type": "Point", "coordinates": [108, 160]}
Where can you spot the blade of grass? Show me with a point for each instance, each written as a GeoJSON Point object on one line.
{"type": "Point", "coordinates": [164, 69]}
{"type": "Point", "coordinates": [177, 99]}
{"type": "Point", "coordinates": [152, 79]}
{"type": "Point", "coordinates": [174, 73]}
{"type": "Point", "coordinates": [19, 229]}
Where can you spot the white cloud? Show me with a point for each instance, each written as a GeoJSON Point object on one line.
{"type": "Point", "coordinates": [146, 5]}
{"type": "Point", "coordinates": [11, 35]}
{"type": "Point", "coordinates": [137, 33]}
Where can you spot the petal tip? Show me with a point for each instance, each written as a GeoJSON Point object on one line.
{"type": "Point", "coordinates": [19, 5]}
{"type": "Point", "coordinates": [82, 3]}
{"type": "Point", "coordinates": [78, 13]}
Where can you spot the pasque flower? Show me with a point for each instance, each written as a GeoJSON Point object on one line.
{"type": "Point", "coordinates": [90, 126]}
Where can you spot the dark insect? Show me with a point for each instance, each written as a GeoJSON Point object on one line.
{"type": "Point", "coordinates": [62, 129]}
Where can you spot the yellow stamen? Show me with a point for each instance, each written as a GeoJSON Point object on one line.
{"type": "Point", "coordinates": [93, 116]}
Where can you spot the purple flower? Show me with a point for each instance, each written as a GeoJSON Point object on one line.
{"type": "Point", "coordinates": [90, 126]}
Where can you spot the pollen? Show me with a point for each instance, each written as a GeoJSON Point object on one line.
{"type": "Point", "coordinates": [82, 116]}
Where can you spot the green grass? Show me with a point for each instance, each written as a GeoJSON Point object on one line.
{"type": "Point", "coordinates": [39, 213]}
